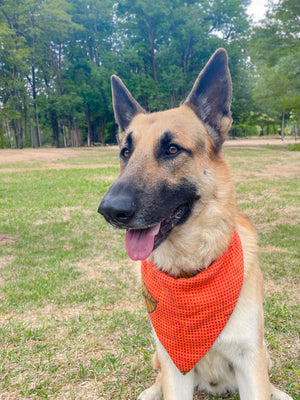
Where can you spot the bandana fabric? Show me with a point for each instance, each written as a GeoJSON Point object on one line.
{"type": "Point", "coordinates": [189, 314]}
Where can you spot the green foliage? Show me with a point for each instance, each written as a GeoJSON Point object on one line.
{"type": "Point", "coordinates": [276, 54]}
{"type": "Point", "coordinates": [57, 57]}
{"type": "Point", "coordinates": [294, 147]}
{"type": "Point", "coordinates": [168, 43]}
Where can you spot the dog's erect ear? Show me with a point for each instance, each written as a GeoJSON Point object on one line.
{"type": "Point", "coordinates": [211, 95]}
{"type": "Point", "coordinates": [125, 106]}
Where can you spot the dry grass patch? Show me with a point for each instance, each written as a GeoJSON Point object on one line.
{"type": "Point", "coordinates": [271, 249]}
{"type": "Point", "coordinates": [290, 170]}
{"type": "Point", "coordinates": [47, 155]}
{"type": "Point", "coordinates": [6, 239]}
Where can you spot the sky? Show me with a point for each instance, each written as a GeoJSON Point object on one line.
{"type": "Point", "coordinates": [257, 9]}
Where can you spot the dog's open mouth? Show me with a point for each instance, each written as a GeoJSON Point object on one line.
{"type": "Point", "coordinates": [141, 242]}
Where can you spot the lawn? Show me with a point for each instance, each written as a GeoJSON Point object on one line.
{"type": "Point", "coordinates": [73, 322]}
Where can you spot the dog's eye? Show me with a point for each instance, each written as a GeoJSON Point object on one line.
{"type": "Point", "coordinates": [125, 153]}
{"type": "Point", "coordinates": [173, 149]}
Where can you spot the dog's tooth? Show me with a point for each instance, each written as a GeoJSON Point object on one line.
{"type": "Point", "coordinates": [179, 213]}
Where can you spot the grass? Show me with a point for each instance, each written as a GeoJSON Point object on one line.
{"type": "Point", "coordinates": [73, 323]}
{"type": "Point", "coordinates": [294, 147]}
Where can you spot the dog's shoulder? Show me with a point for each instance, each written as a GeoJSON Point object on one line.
{"type": "Point", "coordinates": [253, 279]}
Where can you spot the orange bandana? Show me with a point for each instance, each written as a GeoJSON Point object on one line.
{"type": "Point", "coordinates": [189, 314]}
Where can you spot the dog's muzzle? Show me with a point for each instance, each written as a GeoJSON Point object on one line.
{"type": "Point", "coordinates": [148, 216]}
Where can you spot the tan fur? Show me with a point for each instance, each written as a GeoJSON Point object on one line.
{"type": "Point", "coordinates": [238, 359]}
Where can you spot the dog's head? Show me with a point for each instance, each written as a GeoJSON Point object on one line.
{"type": "Point", "coordinates": [165, 158]}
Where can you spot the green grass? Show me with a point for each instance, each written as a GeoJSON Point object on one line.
{"type": "Point", "coordinates": [294, 147]}
{"type": "Point", "coordinates": [73, 323]}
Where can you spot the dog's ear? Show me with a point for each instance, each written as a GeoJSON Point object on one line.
{"type": "Point", "coordinates": [125, 106]}
{"type": "Point", "coordinates": [211, 96]}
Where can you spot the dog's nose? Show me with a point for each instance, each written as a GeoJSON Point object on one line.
{"type": "Point", "coordinates": [118, 209]}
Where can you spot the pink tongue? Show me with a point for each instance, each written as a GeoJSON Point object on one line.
{"type": "Point", "coordinates": [140, 242]}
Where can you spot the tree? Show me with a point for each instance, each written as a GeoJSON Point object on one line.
{"type": "Point", "coordinates": [165, 44]}
{"type": "Point", "coordinates": [276, 53]}
{"type": "Point", "coordinates": [33, 35]}
{"type": "Point", "coordinates": [89, 62]}
{"type": "Point", "coordinates": [57, 57]}
{"type": "Point", "coordinates": [13, 55]}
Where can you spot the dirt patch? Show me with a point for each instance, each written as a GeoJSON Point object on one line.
{"type": "Point", "coordinates": [254, 142]}
{"type": "Point", "coordinates": [48, 312]}
{"type": "Point", "coordinates": [51, 312]}
{"type": "Point", "coordinates": [96, 265]}
{"type": "Point", "coordinates": [4, 239]}
{"type": "Point", "coordinates": [33, 155]}
{"type": "Point", "coordinates": [271, 287]}
{"type": "Point", "coordinates": [62, 214]}
{"type": "Point", "coordinates": [271, 249]}
{"type": "Point", "coordinates": [288, 170]}
{"type": "Point", "coordinates": [16, 161]}
{"type": "Point", "coordinates": [5, 260]}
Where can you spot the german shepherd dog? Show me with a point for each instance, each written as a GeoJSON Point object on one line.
{"type": "Point", "coordinates": [175, 198]}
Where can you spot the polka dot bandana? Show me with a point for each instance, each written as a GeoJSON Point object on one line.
{"type": "Point", "coordinates": [188, 314]}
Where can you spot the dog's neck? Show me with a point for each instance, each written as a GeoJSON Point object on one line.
{"type": "Point", "coordinates": [190, 254]}
{"type": "Point", "coordinates": [190, 250]}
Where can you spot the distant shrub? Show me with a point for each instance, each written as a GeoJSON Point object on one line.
{"type": "Point", "coordinates": [294, 147]}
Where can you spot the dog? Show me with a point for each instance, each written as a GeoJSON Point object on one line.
{"type": "Point", "coordinates": [202, 283]}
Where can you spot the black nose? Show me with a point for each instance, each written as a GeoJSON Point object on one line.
{"type": "Point", "coordinates": [117, 209]}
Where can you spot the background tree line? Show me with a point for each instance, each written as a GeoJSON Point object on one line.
{"type": "Point", "coordinates": [56, 58]}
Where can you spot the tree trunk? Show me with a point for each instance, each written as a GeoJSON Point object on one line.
{"type": "Point", "coordinates": [75, 136]}
{"type": "Point", "coordinates": [25, 123]}
{"type": "Point", "coordinates": [102, 131]}
{"type": "Point", "coordinates": [55, 129]}
{"type": "Point", "coordinates": [10, 138]}
{"type": "Point", "coordinates": [37, 128]}
{"type": "Point", "coordinates": [186, 57]}
{"type": "Point", "coordinates": [31, 133]}
{"type": "Point", "coordinates": [15, 132]}
{"type": "Point", "coordinates": [282, 126]}
{"type": "Point", "coordinates": [90, 49]}
{"type": "Point", "coordinates": [58, 72]}
{"type": "Point", "coordinates": [21, 138]}
{"type": "Point", "coordinates": [173, 99]}
{"type": "Point", "coordinates": [64, 135]}
{"type": "Point", "coordinates": [151, 36]}
{"type": "Point", "coordinates": [88, 121]}
{"type": "Point", "coordinates": [36, 115]}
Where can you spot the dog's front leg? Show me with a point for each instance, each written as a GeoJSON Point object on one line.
{"type": "Point", "coordinates": [154, 392]}
{"type": "Point", "coordinates": [175, 385]}
{"type": "Point", "coordinates": [252, 376]}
